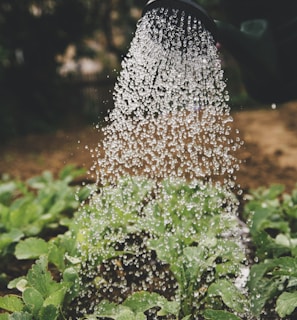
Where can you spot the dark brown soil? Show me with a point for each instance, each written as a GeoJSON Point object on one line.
{"type": "Point", "coordinates": [269, 153]}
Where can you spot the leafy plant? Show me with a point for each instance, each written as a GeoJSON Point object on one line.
{"type": "Point", "coordinates": [273, 225]}
{"type": "Point", "coordinates": [147, 250]}
{"type": "Point", "coordinates": [42, 296]}
{"type": "Point", "coordinates": [173, 221]}
{"type": "Point", "coordinates": [27, 209]}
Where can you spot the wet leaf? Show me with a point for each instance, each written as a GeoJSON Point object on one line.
{"type": "Point", "coordinates": [11, 303]}
{"type": "Point", "coordinates": [31, 248]}
{"type": "Point", "coordinates": [230, 295]}
{"type": "Point", "coordinates": [286, 303]}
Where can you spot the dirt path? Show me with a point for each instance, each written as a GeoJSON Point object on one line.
{"type": "Point", "coordinates": [269, 154]}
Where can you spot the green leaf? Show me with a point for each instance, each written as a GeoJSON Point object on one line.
{"type": "Point", "coordinates": [70, 275]}
{"type": "Point", "coordinates": [33, 299]}
{"type": "Point", "coordinates": [4, 316]}
{"type": "Point", "coordinates": [20, 316]}
{"type": "Point", "coordinates": [142, 301]}
{"type": "Point", "coordinates": [286, 266]}
{"type": "Point", "coordinates": [257, 273]}
{"type": "Point", "coordinates": [31, 248]}
{"type": "Point", "coordinates": [49, 312]}
{"type": "Point", "coordinates": [113, 311]}
{"type": "Point", "coordinates": [56, 298]}
{"type": "Point", "coordinates": [265, 290]}
{"type": "Point", "coordinates": [41, 279]}
{"type": "Point", "coordinates": [286, 303]}
{"type": "Point", "coordinates": [230, 295]}
{"type": "Point", "coordinates": [14, 235]}
{"type": "Point", "coordinates": [11, 303]}
{"type": "Point", "coordinates": [219, 315]}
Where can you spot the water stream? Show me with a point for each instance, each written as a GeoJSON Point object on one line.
{"type": "Point", "coordinates": [171, 122]}
{"type": "Point", "coordinates": [170, 116]}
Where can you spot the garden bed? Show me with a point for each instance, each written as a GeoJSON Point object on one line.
{"type": "Point", "coordinates": [73, 272]}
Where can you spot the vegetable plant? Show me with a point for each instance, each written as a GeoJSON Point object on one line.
{"type": "Point", "coordinates": [147, 250]}
{"type": "Point", "coordinates": [273, 227]}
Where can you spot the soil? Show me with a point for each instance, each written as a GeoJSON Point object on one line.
{"type": "Point", "coordinates": [269, 152]}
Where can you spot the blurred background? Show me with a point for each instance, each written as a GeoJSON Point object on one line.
{"type": "Point", "coordinates": [59, 60]}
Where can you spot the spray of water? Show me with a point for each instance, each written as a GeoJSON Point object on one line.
{"type": "Point", "coordinates": [171, 114]}
{"type": "Point", "coordinates": [170, 122]}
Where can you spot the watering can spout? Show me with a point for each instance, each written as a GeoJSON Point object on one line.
{"type": "Point", "coordinates": [265, 52]}
{"type": "Point", "coordinates": [253, 47]}
{"type": "Point", "coordinates": [189, 7]}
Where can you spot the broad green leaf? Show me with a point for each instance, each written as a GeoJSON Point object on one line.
{"type": "Point", "coordinates": [49, 312]}
{"type": "Point", "coordinates": [14, 235]}
{"type": "Point", "coordinates": [219, 315]}
{"type": "Point", "coordinates": [286, 303]}
{"type": "Point", "coordinates": [266, 289]}
{"type": "Point", "coordinates": [56, 255]}
{"type": "Point", "coordinates": [257, 273]}
{"type": "Point", "coordinates": [31, 248]}
{"type": "Point", "coordinates": [286, 266]}
{"type": "Point", "coordinates": [113, 311]}
{"type": "Point", "coordinates": [230, 295]}
{"type": "Point", "coordinates": [143, 301]}
{"type": "Point", "coordinates": [11, 303]}
{"type": "Point", "coordinates": [56, 298]}
{"type": "Point", "coordinates": [259, 217]}
{"type": "Point", "coordinates": [4, 316]}
{"type": "Point", "coordinates": [33, 300]}
{"type": "Point", "coordinates": [70, 275]}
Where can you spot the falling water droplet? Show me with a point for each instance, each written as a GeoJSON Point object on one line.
{"type": "Point", "coordinates": [170, 120]}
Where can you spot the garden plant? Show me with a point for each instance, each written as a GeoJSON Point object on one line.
{"type": "Point", "coordinates": [164, 259]}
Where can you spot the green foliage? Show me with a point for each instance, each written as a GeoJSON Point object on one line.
{"type": "Point", "coordinates": [273, 222]}
{"type": "Point", "coordinates": [176, 219]}
{"type": "Point", "coordinates": [42, 297]}
{"type": "Point", "coordinates": [27, 209]}
{"type": "Point", "coordinates": [173, 220]}
{"type": "Point", "coordinates": [135, 307]}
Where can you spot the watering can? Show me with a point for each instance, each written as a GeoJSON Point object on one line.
{"type": "Point", "coordinates": [261, 36]}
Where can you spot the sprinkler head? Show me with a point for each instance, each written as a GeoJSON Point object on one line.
{"type": "Point", "coordinates": [189, 7]}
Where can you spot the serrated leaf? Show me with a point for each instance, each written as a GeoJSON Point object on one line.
{"type": "Point", "coordinates": [11, 303]}
{"type": "Point", "coordinates": [31, 248]}
{"type": "Point", "coordinates": [219, 315]}
{"type": "Point", "coordinates": [286, 303]}
{"type": "Point", "coordinates": [41, 279]}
